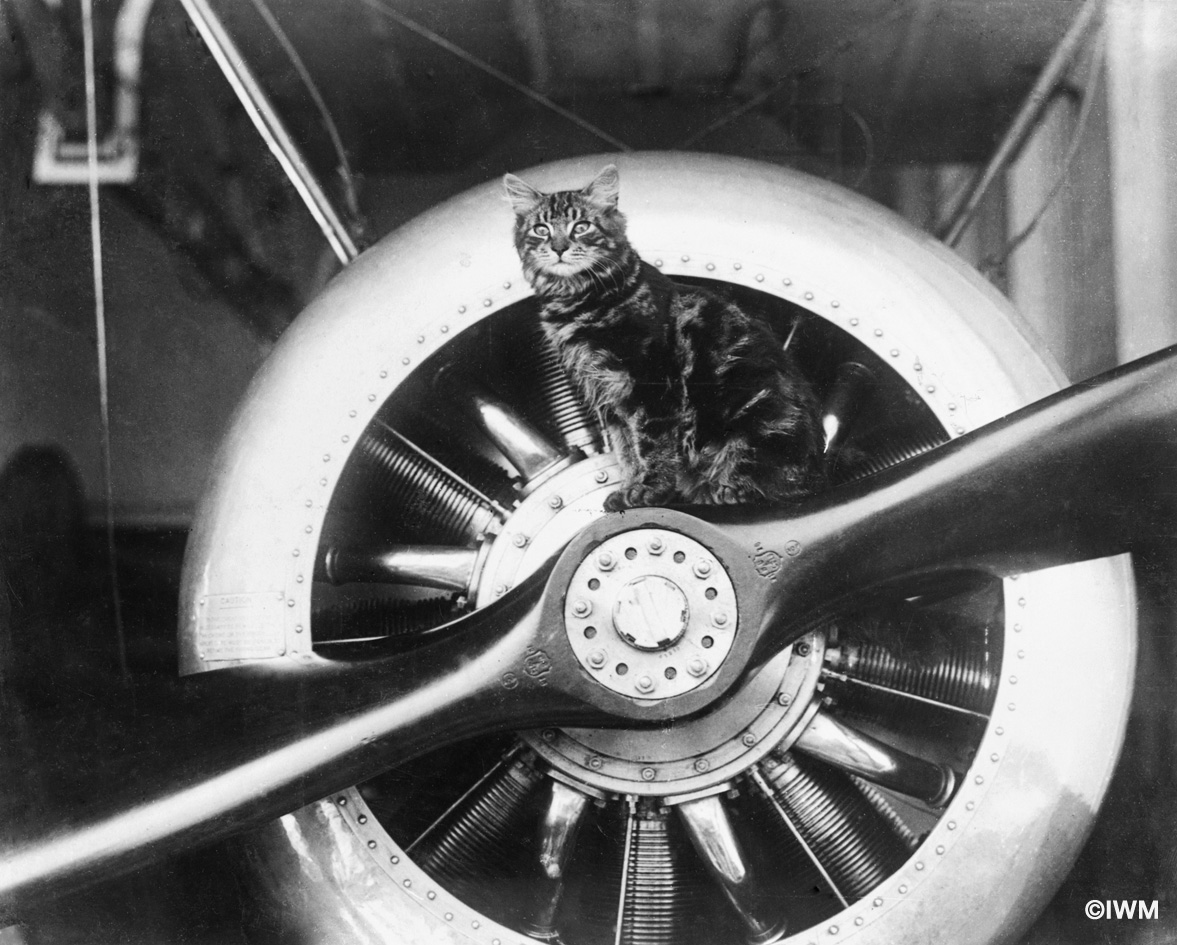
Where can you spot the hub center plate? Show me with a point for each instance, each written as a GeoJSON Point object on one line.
{"type": "Point", "coordinates": [651, 614]}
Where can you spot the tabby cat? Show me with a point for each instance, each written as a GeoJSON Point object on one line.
{"type": "Point", "coordinates": [701, 402]}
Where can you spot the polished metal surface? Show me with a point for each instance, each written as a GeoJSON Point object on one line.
{"type": "Point", "coordinates": [441, 566]}
{"type": "Point", "coordinates": [711, 833]}
{"type": "Point", "coordinates": [831, 740]}
{"type": "Point", "coordinates": [521, 443]}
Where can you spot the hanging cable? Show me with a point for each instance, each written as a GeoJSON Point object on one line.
{"type": "Point", "coordinates": [100, 322]}
{"type": "Point", "coordinates": [841, 46]}
{"type": "Point", "coordinates": [1086, 105]}
{"type": "Point", "coordinates": [350, 194]}
{"type": "Point", "coordinates": [384, 9]}
{"type": "Point", "coordinates": [270, 126]}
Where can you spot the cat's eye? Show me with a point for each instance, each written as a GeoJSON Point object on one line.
{"type": "Point", "coordinates": [580, 228]}
{"type": "Point", "coordinates": [540, 230]}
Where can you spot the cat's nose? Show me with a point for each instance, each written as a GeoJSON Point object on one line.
{"type": "Point", "coordinates": [560, 246]}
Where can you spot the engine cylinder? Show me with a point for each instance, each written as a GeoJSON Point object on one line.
{"type": "Point", "coordinates": [559, 403]}
{"type": "Point", "coordinates": [379, 617]}
{"type": "Point", "coordinates": [482, 842]}
{"type": "Point", "coordinates": [855, 844]}
{"type": "Point", "coordinates": [426, 500]}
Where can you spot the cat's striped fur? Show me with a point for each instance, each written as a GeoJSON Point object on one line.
{"type": "Point", "coordinates": [701, 402]}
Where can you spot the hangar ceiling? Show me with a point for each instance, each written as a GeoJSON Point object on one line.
{"type": "Point", "coordinates": [429, 96]}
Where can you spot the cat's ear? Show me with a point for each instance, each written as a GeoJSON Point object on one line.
{"type": "Point", "coordinates": [521, 195]}
{"type": "Point", "coordinates": [603, 190]}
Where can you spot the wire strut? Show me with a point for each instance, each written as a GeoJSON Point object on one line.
{"type": "Point", "coordinates": [100, 322]}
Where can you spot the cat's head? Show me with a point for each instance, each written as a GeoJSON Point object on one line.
{"type": "Point", "coordinates": [567, 237]}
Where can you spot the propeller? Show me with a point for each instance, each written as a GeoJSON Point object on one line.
{"type": "Point", "coordinates": [1081, 474]}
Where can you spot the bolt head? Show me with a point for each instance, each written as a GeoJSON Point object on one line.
{"type": "Point", "coordinates": [802, 649]}
{"type": "Point", "coordinates": [519, 540]}
{"type": "Point", "coordinates": [783, 698]}
{"type": "Point", "coordinates": [549, 734]}
{"type": "Point", "coordinates": [648, 774]}
{"type": "Point", "coordinates": [702, 765]}
{"type": "Point", "coordinates": [606, 561]}
{"type": "Point", "coordinates": [720, 619]}
{"type": "Point", "coordinates": [702, 568]}
{"type": "Point", "coordinates": [555, 502]}
{"type": "Point", "coordinates": [748, 739]}
{"type": "Point", "coordinates": [655, 546]}
{"type": "Point", "coordinates": [581, 607]}
{"type": "Point", "coordinates": [596, 763]}
{"type": "Point", "coordinates": [597, 659]}
{"type": "Point", "coordinates": [645, 684]}
{"type": "Point", "coordinates": [602, 475]}
{"type": "Point", "coordinates": [696, 666]}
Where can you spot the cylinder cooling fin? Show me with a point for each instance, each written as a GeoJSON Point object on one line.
{"type": "Point", "coordinates": [413, 450]}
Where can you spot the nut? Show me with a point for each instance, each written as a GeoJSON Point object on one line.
{"type": "Point", "coordinates": [748, 739]}
{"type": "Point", "coordinates": [702, 568]}
{"type": "Point", "coordinates": [720, 618]}
{"type": "Point", "coordinates": [555, 502]}
{"type": "Point", "coordinates": [606, 561]}
{"type": "Point", "coordinates": [783, 698]}
{"type": "Point", "coordinates": [597, 659]}
{"type": "Point", "coordinates": [649, 774]}
{"type": "Point", "coordinates": [596, 763]}
{"type": "Point", "coordinates": [519, 540]}
{"type": "Point", "coordinates": [645, 684]}
{"type": "Point", "coordinates": [655, 546]}
{"type": "Point", "coordinates": [696, 666]}
{"type": "Point", "coordinates": [581, 607]}
{"type": "Point", "coordinates": [702, 765]}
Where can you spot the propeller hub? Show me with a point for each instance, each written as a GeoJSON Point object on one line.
{"type": "Point", "coordinates": [651, 613]}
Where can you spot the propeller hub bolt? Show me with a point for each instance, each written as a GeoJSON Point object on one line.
{"type": "Point", "coordinates": [648, 774]}
{"type": "Point", "coordinates": [802, 649]}
{"type": "Point", "coordinates": [602, 475]}
{"type": "Point", "coordinates": [702, 765]}
{"type": "Point", "coordinates": [606, 561]}
{"type": "Point", "coordinates": [596, 763]}
{"type": "Point", "coordinates": [696, 666]}
{"type": "Point", "coordinates": [581, 607]}
{"type": "Point", "coordinates": [749, 739]}
{"type": "Point", "coordinates": [519, 540]}
{"type": "Point", "coordinates": [597, 659]}
{"type": "Point", "coordinates": [719, 619]}
{"type": "Point", "coordinates": [784, 698]}
{"type": "Point", "coordinates": [555, 502]}
{"type": "Point", "coordinates": [655, 546]}
{"type": "Point", "coordinates": [702, 568]}
{"type": "Point", "coordinates": [645, 684]}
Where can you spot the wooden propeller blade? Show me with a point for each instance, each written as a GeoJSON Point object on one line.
{"type": "Point", "coordinates": [1087, 472]}
{"type": "Point", "coordinates": [223, 750]}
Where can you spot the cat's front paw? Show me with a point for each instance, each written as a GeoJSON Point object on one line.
{"type": "Point", "coordinates": [615, 501]}
{"type": "Point", "coordinates": [636, 497]}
